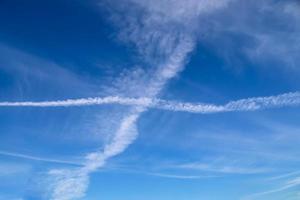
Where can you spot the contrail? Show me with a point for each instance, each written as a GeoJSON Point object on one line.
{"type": "Point", "coordinates": [80, 102]}
{"type": "Point", "coordinates": [249, 104]}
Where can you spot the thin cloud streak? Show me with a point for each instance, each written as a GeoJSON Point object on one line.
{"type": "Point", "coordinates": [224, 169]}
{"type": "Point", "coordinates": [288, 185]}
{"type": "Point", "coordinates": [283, 176]}
{"type": "Point", "coordinates": [35, 158]}
{"type": "Point", "coordinates": [176, 176]}
{"type": "Point", "coordinates": [249, 104]}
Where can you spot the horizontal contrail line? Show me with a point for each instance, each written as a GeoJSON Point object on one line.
{"type": "Point", "coordinates": [249, 104]}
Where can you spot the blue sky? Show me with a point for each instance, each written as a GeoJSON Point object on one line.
{"type": "Point", "coordinates": [161, 99]}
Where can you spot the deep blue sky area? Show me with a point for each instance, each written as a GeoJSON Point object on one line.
{"type": "Point", "coordinates": [138, 99]}
{"type": "Point", "coordinates": [69, 32]}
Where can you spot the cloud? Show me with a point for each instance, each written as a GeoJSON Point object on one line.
{"type": "Point", "coordinates": [130, 170]}
{"type": "Point", "coordinates": [163, 174]}
{"type": "Point", "coordinates": [174, 10]}
{"type": "Point", "coordinates": [248, 104]}
{"type": "Point", "coordinates": [270, 39]}
{"type": "Point", "coordinates": [163, 45]}
{"type": "Point", "coordinates": [177, 176]}
{"type": "Point", "coordinates": [126, 132]}
{"type": "Point", "coordinates": [156, 28]}
{"type": "Point", "coordinates": [82, 102]}
{"type": "Point", "coordinates": [29, 157]}
{"type": "Point", "coordinates": [164, 34]}
{"type": "Point", "coordinates": [292, 183]}
{"type": "Point", "coordinates": [282, 176]}
{"type": "Point", "coordinates": [227, 169]}
{"type": "Point", "coordinates": [68, 184]}
{"type": "Point", "coordinates": [278, 41]}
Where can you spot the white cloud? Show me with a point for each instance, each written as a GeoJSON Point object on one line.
{"type": "Point", "coordinates": [125, 134]}
{"type": "Point", "coordinates": [157, 27]}
{"type": "Point", "coordinates": [269, 39]}
{"type": "Point", "coordinates": [164, 34]}
{"type": "Point", "coordinates": [68, 184]}
{"type": "Point", "coordinates": [162, 45]}
{"type": "Point", "coordinates": [174, 10]}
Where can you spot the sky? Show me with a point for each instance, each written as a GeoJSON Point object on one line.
{"type": "Point", "coordinates": [149, 100]}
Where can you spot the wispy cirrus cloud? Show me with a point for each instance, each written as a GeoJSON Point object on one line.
{"type": "Point", "coordinates": [269, 40]}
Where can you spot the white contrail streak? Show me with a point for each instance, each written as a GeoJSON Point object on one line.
{"type": "Point", "coordinates": [80, 102]}
{"type": "Point", "coordinates": [249, 104]}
